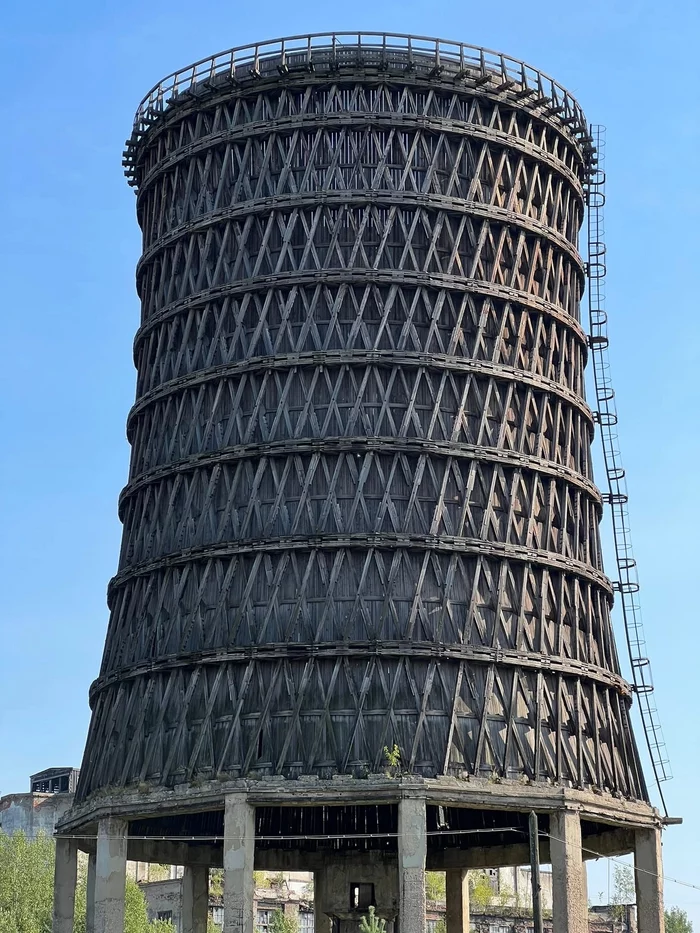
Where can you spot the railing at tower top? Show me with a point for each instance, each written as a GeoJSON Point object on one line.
{"type": "Point", "coordinates": [627, 584]}
{"type": "Point", "coordinates": [384, 50]}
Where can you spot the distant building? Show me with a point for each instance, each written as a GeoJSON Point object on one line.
{"type": "Point", "coordinates": [50, 797]}
{"type": "Point", "coordinates": [54, 781]}
{"type": "Point", "coordinates": [512, 887]}
{"type": "Point", "coordinates": [292, 893]}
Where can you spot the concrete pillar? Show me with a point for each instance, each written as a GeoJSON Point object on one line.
{"type": "Point", "coordinates": [648, 879]}
{"type": "Point", "coordinates": [412, 844]}
{"type": "Point", "coordinates": [65, 879]}
{"type": "Point", "coordinates": [321, 921]}
{"type": "Point", "coordinates": [239, 854]}
{"type": "Point", "coordinates": [110, 876]}
{"type": "Point", "coordinates": [195, 899]}
{"type": "Point", "coordinates": [90, 894]}
{"type": "Point", "coordinates": [569, 907]}
{"type": "Point", "coordinates": [457, 901]}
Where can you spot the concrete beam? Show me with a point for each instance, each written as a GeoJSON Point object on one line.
{"type": "Point", "coordinates": [457, 901]}
{"type": "Point", "coordinates": [648, 879]}
{"type": "Point", "coordinates": [479, 857]}
{"type": "Point", "coordinates": [110, 876]}
{"type": "Point", "coordinates": [412, 844]}
{"type": "Point", "coordinates": [474, 792]}
{"type": "Point", "coordinates": [570, 908]}
{"type": "Point", "coordinates": [175, 853]}
{"type": "Point", "coordinates": [239, 859]}
{"type": "Point", "coordinates": [65, 879]}
{"type": "Point", "coordinates": [195, 899]}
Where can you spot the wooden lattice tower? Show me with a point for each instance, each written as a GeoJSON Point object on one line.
{"type": "Point", "coordinates": [360, 512]}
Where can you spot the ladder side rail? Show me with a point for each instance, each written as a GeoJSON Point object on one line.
{"type": "Point", "coordinates": [627, 583]}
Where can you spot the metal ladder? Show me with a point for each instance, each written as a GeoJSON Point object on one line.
{"type": "Point", "coordinates": [627, 584]}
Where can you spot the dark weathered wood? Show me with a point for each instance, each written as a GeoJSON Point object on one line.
{"type": "Point", "coordinates": [360, 511]}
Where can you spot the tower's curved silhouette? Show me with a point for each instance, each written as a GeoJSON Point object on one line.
{"type": "Point", "coordinates": [360, 527]}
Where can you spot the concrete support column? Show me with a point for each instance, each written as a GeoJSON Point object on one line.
{"type": "Point", "coordinates": [239, 854]}
{"type": "Point", "coordinates": [65, 879]}
{"type": "Point", "coordinates": [195, 899]}
{"type": "Point", "coordinates": [90, 894]}
{"type": "Point", "coordinates": [412, 844]}
{"type": "Point", "coordinates": [648, 879]}
{"type": "Point", "coordinates": [321, 921]}
{"type": "Point", "coordinates": [570, 908]}
{"type": "Point", "coordinates": [457, 901]}
{"type": "Point", "coordinates": [110, 876]}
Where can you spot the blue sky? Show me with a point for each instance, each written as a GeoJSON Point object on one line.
{"type": "Point", "coordinates": [72, 73]}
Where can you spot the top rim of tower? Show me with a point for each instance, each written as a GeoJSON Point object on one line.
{"type": "Point", "coordinates": [470, 65]}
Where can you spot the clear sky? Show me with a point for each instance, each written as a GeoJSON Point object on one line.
{"type": "Point", "coordinates": [72, 72]}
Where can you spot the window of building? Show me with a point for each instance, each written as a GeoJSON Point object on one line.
{"type": "Point", "coordinates": [52, 785]}
{"type": "Point", "coordinates": [361, 896]}
{"type": "Point", "coordinates": [264, 920]}
{"type": "Point", "coordinates": [165, 915]}
{"type": "Point", "coordinates": [306, 921]}
{"type": "Point", "coordinates": [500, 928]}
{"type": "Point", "coordinates": [217, 915]}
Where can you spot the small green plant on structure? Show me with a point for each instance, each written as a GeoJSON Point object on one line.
{"type": "Point", "coordinates": [392, 756]}
{"type": "Point", "coordinates": [370, 923]}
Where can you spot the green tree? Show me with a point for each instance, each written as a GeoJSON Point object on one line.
{"type": "Point", "coordinates": [624, 892]}
{"type": "Point", "coordinates": [26, 890]}
{"type": "Point", "coordinates": [370, 923]}
{"type": "Point", "coordinates": [216, 881]}
{"type": "Point", "coordinates": [260, 879]}
{"type": "Point", "coordinates": [677, 921]}
{"type": "Point", "coordinates": [283, 923]}
{"type": "Point", "coordinates": [135, 913]}
{"type": "Point", "coordinates": [26, 883]}
{"type": "Point", "coordinates": [480, 890]}
{"type": "Point", "coordinates": [435, 885]}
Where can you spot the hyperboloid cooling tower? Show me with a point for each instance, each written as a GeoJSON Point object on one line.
{"type": "Point", "coordinates": [360, 624]}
